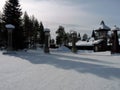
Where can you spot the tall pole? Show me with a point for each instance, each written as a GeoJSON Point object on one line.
{"type": "Point", "coordinates": [10, 28]}
{"type": "Point", "coordinates": [115, 42]}
{"type": "Point", "coordinates": [74, 36]}
{"type": "Point", "coordinates": [47, 35]}
{"type": "Point", "coordinates": [10, 40]}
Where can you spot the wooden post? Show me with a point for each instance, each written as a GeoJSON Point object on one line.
{"type": "Point", "coordinates": [10, 28]}
{"type": "Point", "coordinates": [47, 35]}
{"type": "Point", "coordinates": [74, 37]}
{"type": "Point", "coordinates": [114, 40]}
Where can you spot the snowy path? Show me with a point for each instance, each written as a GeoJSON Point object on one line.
{"type": "Point", "coordinates": [34, 70]}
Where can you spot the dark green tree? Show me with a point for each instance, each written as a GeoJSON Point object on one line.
{"type": "Point", "coordinates": [35, 31]}
{"type": "Point", "coordinates": [26, 25]}
{"type": "Point", "coordinates": [2, 33]}
{"type": "Point", "coordinates": [58, 40]}
{"type": "Point", "coordinates": [0, 28]}
{"type": "Point", "coordinates": [61, 35]}
{"type": "Point", "coordinates": [0, 20]}
{"type": "Point", "coordinates": [85, 37]}
{"type": "Point", "coordinates": [52, 41]}
{"type": "Point", "coordinates": [42, 34]}
{"type": "Point", "coordinates": [31, 30]}
{"type": "Point", "coordinates": [26, 29]}
{"type": "Point", "coordinates": [93, 34]}
{"type": "Point", "coordinates": [79, 37]}
{"type": "Point", "coordinates": [12, 15]}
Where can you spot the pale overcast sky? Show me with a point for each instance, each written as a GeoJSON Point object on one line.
{"type": "Point", "coordinates": [80, 15]}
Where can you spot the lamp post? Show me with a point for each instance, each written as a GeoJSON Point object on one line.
{"type": "Point", "coordinates": [47, 36]}
{"type": "Point", "coordinates": [10, 28]}
{"type": "Point", "coordinates": [74, 37]}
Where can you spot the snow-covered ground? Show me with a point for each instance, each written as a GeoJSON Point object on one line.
{"type": "Point", "coordinates": [59, 70]}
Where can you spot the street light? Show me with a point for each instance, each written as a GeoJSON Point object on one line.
{"type": "Point", "coordinates": [9, 28]}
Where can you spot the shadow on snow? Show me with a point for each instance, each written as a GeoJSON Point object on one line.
{"type": "Point", "coordinates": [71, 63]}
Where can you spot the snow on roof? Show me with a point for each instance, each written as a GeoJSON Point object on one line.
{"type": "Point", "coordinates": [47, 30]}
{"type": "Point", "coordinates": [103, 26]}
{"type": "Point", "coordinates": [10, 26]}
{"type": "Point", "coordinates": [85, 43]}
{"type": "Point", "coordinates": [97, 41]}
{"type": "Point", "coordinates": [115, 28]}
{"type": "Point", "coordinates": [72, 32]}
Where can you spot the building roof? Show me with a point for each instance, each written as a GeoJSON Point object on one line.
{"type": "Point", "coordinates": [115, 28]}
{"type": "Point", "coordinates": [103, 26]}
{"type": "Point", "coordinates": [47, 30]}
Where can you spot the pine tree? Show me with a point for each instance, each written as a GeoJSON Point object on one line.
{"type": "Point", "coordinates": [0, 17]}
{"type": "Point", "coordinates": [85, 37]}
{"type": "Point", "coordinates": [26, 29]}
{"type": "Point", "coordinates": [35, 31]}
{"type": "Point", "coordinates": [61, 35]}
{"type": "Point", "coordinates": [42, 34]}
{"type": "Point", "coordinates": [0, 28]}
{"type": "Point", "coordinates": [31, 29]}
{"type": "Point", "coordinates": [79, 36]}
{"type": "Point", "coordinates": [12, 15]}
{"type": "Point", "coordinates": [93, 34]}
{"type": "Point", "coordinates": [26, 25]}
{"type": "Point", "coordinates": [58, 40]}
{"type": "Point", "coordinates": [0, 20]}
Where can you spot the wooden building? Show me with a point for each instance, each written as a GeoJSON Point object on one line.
{"type": "Point", "coordinates": [101, 34]}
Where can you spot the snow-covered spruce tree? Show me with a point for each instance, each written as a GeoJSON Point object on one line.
{"type": "Point", "coordinates": [12, 15]}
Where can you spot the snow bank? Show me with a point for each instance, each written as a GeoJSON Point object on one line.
{"type": "Point", "coordinates": [63, 49]}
